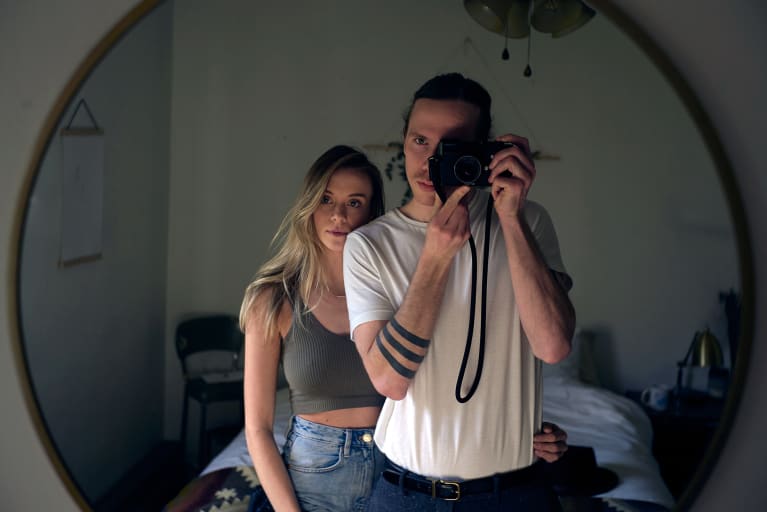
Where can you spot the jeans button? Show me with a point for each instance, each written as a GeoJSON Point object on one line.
{"type": "Point", "coordinates": [367, 437]}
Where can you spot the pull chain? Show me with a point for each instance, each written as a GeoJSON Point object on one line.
{"type": "Point", "coordinates": [505, 54]}
{"type": "Point", "coordinates": [528, 70]}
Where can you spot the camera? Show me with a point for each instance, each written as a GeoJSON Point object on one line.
{"type": "Point", "coordinates": [457, 163]}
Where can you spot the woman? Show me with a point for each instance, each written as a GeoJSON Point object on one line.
{"type": "Point", "coordinates": [295, 309]}
{"type": "Point", "coordinates": [295, 312]}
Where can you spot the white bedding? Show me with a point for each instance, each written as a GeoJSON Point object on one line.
{"type": "Point", "coordinates": [618, 430]}
{"type": "Point", "coordinates": [614, 426]}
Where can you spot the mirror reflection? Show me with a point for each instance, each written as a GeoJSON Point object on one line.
{"type": "Point", "coordinates": [208, 117]}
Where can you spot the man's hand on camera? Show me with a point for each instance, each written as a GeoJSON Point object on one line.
{"type": "Point", "coordinates": [512, 172]}
{"type": "Point", "coordinates": [448, 229]}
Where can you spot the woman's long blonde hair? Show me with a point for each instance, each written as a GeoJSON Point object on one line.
{"type": "Point", "coordinates": [296, 270]}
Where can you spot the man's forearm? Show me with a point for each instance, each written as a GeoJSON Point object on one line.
{"type": "Point", "coordinates": [545, 310]}
{"type": "Point", "coordinates": [396, 351]}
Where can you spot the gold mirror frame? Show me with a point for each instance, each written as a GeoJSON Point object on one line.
{"type": "Point", "coordinates": [630, 28]}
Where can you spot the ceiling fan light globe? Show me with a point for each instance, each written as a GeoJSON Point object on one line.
{"type": "Point", "coordinates": [586, 14]}
{"type": "Point", "coordinates": [559, 17]}
{"type": "Point", "coordinates": [499, 15]}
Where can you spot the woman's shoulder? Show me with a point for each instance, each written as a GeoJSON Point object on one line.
{"type": "Point", "coordinates": [271, 301]}
{"type": "Point", "coordinates": [265, 296]}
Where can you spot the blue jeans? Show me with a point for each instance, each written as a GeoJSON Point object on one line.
{"type": "Point", "coordinates": [332, 469]}
{"type": "Point", "coordinates": [537, 496]}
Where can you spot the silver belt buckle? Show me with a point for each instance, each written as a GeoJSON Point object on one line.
{"type": "Point", "coordinates": [455, 485]}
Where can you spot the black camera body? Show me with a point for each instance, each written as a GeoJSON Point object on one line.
{"type": "Point", "coordinates": [457, 163]}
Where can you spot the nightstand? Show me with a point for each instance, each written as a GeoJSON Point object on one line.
{"type": "Point", "coordinates": [681, 436]}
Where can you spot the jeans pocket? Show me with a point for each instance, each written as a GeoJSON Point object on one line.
{"type": "Point", "coordinates": [310, 455]}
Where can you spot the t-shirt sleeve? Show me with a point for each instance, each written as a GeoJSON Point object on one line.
{"type": "Point", "coordinates": [542, 228]}
{"type": "Point", "coordinates": [366, 298]}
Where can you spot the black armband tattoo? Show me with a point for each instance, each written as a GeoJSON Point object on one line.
{"type": "Point", "coordinates": [402, 349]}
{"type": "Point", "coordinates": [405, 372]}
{"type": "Point", "coordinates": [412, 338]}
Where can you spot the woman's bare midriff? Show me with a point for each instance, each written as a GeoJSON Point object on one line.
{"type": "Point", "coordinates": [358, 417]}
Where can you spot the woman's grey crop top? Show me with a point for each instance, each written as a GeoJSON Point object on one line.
{"type": "Point", "coordinates": [324, 370]}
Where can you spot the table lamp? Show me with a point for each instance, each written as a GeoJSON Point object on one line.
{"type": "Point", "coordinates": [704, 352]}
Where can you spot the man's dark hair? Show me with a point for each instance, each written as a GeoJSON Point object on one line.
{"type": "Point", "coordinates": [455, 86]}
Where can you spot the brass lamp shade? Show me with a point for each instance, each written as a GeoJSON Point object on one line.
{"type": "Point", "coordinates": [498, 15]}
{"type": "Point", "coordinates": [706, 351]}
{"type": "Point", "coordinates": [560, 17]}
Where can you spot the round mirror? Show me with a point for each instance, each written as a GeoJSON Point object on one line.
{"type": "Point", "coordinates": [197, 125]}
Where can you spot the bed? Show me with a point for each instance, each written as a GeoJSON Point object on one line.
{"type": "Point", "coordinates": [616, 427]}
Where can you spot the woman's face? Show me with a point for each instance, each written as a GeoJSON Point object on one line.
{"type": "Point", "coordinates": [345, 206]}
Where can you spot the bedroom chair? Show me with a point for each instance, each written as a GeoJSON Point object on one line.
{"type": "Point", "coordinates": [209, 348]}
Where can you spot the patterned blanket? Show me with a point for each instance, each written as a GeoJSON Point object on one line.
{"type": "Point", "coordinates": [230, 490]}
{"type": "Point", "coordinates": [225, 490]}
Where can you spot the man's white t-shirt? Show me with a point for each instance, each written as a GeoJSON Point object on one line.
{"type": "Point", "coordinates": [429, 432]}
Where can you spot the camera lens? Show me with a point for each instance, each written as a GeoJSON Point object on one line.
{"type": "Point", "coordinates": [467, 169]}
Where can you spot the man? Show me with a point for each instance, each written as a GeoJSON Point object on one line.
{"type": "Point", "coordinates": [408, 279]}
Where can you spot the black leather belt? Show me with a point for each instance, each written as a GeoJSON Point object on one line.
{"type": "Point", "coordinates": [453, 491]}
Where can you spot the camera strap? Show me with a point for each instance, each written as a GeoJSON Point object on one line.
{"type": "Point", "coordinates": [483, 312]}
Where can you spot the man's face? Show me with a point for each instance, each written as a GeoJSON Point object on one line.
{"type": "Point", "coordinates": [430, 122]}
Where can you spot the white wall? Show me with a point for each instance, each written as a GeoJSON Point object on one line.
{"type": "Point", "coordinates": [93, 332]}
{"type": "Point", "coordinates": [704, 48]}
